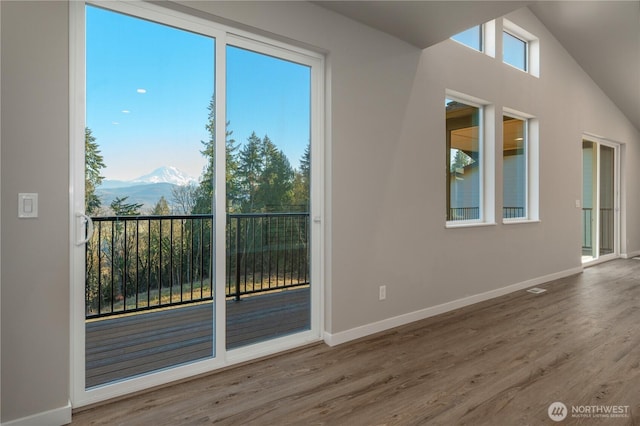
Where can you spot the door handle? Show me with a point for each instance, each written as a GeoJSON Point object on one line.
{"type": "Point", "coordinates": [85, 219]}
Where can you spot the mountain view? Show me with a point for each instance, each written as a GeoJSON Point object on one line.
{"type": "Point", "coordinates": [164, 174]}
{"type": "Point", "coordinates": [146, 189]}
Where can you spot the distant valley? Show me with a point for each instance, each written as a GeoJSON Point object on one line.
{"type": "Point", "coordinates": [145, 194]}
{"type": "Point", "coordinates": [146, 189]}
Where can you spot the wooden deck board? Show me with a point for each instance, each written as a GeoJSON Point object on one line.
{"type": "Point", "coordinates": [499, 362]}
{"type": "Point", "coordinates": [126, 346]}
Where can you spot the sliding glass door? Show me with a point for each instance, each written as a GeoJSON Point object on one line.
{"type": "Point", "coordinates": [268, 195]}
{"type": "Point", "coordinates": [149, 271]}
{"type": "Point", "coordinates": [195, 152]}
{"type": "Point", "coordinates": [600, 209]}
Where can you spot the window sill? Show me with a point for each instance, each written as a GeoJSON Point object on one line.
{"type": "Point", "coordinates": [453, 225]}
{"type": "Point", "coordinates": [519, 221]}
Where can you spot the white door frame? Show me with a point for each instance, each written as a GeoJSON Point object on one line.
{"type": "Point", "coordinates": [616, 146]}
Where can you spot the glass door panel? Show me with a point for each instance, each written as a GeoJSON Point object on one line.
{"type": "Point", "coordinates": [589, 200]}
{"type": "Point", "coordinates": [268, 180]}
{"type": "Point", "coordinates": [148, 189]}
{"type": "Point", "coordinates": [599, 200]}
{"type": "Point", "coordinates": [607, 200]}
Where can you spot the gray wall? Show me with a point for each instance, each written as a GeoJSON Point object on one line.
{"type": "Point", "coordinates": [35, 252]}
{"type": "Point", "coordinates": [385, 177]}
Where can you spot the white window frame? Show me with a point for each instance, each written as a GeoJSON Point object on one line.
{"type": "Point", "coordinates": [532, 47]}
{"type": "Point", "coordinates": [531, 132]}
{"type": "Point", "coordinates": [486, 173]}
{"type": "Point", "coordinates": [223, 35]}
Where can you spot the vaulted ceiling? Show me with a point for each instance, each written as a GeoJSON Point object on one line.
{"type": "Point", "coordinates": [602, 36]}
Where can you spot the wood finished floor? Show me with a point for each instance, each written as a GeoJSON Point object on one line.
{"type": "Point", "coordinates": [500, 362]}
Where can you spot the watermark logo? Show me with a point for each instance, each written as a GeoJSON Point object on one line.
{"type": "Point", "coordinates": [557, 411]}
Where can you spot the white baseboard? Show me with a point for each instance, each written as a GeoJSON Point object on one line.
{"type": "Point", "coordinates": [630, 254]}
{"type": "Point", "coordinates": [56, 417]}
{"type": "Point", "coordinates": [386, 324]}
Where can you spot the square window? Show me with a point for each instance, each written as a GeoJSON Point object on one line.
{"type": "Point", "coordinates": [514, 51]}
{"type": "Point", "coordinates": [464, 161]}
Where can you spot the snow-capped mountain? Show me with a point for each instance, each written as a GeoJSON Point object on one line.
{"type": "Point", "coordinates": [166, 174]}
{"type": "Point", "coordinates": [146, 189]}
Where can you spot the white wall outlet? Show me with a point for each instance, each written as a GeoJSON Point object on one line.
{"type": "Point", "coordinates": [578, 203]}
{"type": "Point", "coordinates": [382, 293]}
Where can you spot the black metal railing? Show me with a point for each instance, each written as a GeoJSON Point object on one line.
{"type": "Point", "coordinates": [138, 263]}
{"type": "Point", "coordinates": [606, 230]}
{"type": "Point", "coordinates": [464, 213]}
{"type": "Point", "coordinates": [513, 212]}
{"type": "Point", "coordinates": [470, 213]}
{"type": "Point", "coordinates": [266, 251]}
{"type": "Point", "coordinates": [145, 262]}
{"type": "Point", "coordinates": [606, 233]}
{"type": "Point", "coordinates": [587, 226]}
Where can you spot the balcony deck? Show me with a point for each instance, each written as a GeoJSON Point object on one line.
{"type": "Point", "coordinates": [126, 346]}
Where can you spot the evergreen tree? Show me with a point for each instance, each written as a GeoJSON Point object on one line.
{"type": "Point", "coordinates": [121, 208]}
{"type": "Point", "coordinates": [305, 164]}
{"type": "Point", "coordinates": [232, 184]}
{"type": "Point", "coordinates": [93, 164]}
{"type": "Point", "coordinates": [161, 208]}
{"type": "Point", "coordinates": [301, 183]}
{"type": "Point", "coordinates": [460, 161]}
{"type": "Point", "coordinates": [275, 184]}
{"type": "Point", "coordinates": [249, 172]}
{"type": "Point", "coordinates": [204, 193]}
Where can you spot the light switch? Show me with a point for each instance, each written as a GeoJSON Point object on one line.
{"type": "Point", "coordinates": [27, 205]}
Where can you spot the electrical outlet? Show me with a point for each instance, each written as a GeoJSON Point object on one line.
{"type": "Point", "coordinates": [382, 292]}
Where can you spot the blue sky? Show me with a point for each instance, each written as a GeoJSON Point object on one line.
{"type": "Point", "coordinates": [149, 85]}
{"type": "Point", "coordinates": [471, 37]}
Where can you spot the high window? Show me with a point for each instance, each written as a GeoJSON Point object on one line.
{"type": "Point", "coordinates": [520, 48]}
{"type": "Point", "coordinates": [515, 51]}
{"type": "Point", "coordinates": [464, 160]}
{"type": "Point", "coordinates": [472, 37]}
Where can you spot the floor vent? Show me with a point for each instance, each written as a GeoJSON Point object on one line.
{"type": "Point", "coordinates": [536, 290]}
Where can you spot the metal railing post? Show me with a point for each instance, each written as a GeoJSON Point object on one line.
{"type": "Point", "coordinates": [238, 259]}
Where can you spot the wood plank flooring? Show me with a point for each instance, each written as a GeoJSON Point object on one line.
{"type": "Point", "coordinates": [122, 347]}
{"type": "Point", "coordinates": [500, 362]}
